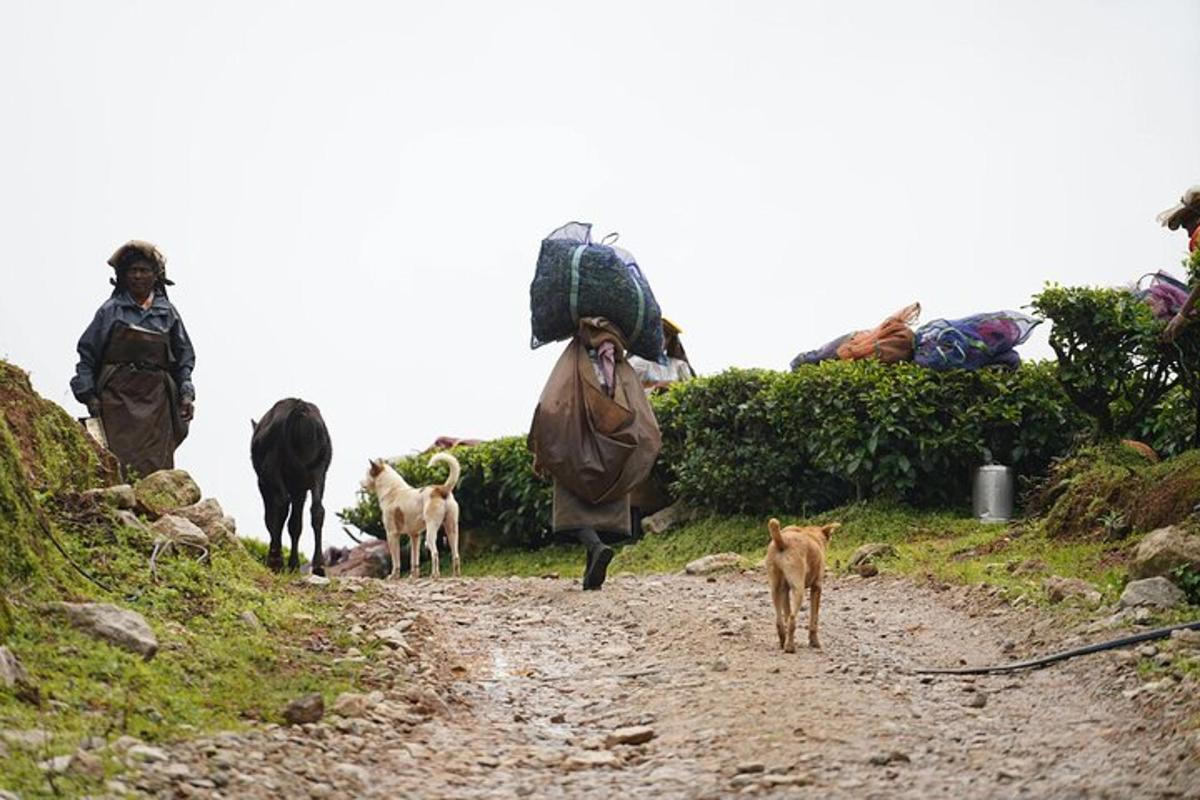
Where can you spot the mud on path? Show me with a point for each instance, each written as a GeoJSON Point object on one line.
{"type": "Point", "coordinates": [514, 688]}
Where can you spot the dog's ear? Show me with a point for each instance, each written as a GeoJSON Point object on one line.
{"type": "Point", "coordinates": [253, 425]}
{"type": "Point", "coordinates": [376, 466]}
{"type": "Point", "coordinates": [829, 529]}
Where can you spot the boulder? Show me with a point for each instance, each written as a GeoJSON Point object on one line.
{"type": "Point", "coordinates": [121, 496]}
{"type": "Point", "coordinates": [1058, 589]}
{"type": "Point", "coordinates": [118, 626]}
{"type": "Point", "coordinates": [309, 708]}
{"type": "Point", "coordinates": [12, 673]}
{"type": "Point", "coordinates": [368, 560]}
{"type": "Point", "coordinates": [166, 490]}
{"type": "Point", "coordinates": [179, 530]}
{"type": "Point", "coordinates": [1153, 592]}
{"type": "Point", "coordinates": [1163, 551]}
{"type": "Point", "coordinates": [663, 520]}
{"type": "Point", "coordinates": [208, 516]}
{"type": "Point", "coordinates": [711, 564]}
{"type": "Point", "coordinates": [871, 552]}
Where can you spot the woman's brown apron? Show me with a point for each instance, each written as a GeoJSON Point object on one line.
{"type": "Point", "coordinates": [139, 402]}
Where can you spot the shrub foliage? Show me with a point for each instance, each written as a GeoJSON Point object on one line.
{"type": "Point", "coordinates": [757, 440]}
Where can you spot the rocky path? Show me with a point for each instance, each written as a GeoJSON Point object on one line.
{"type": "Point", "coordinates": [674, 687]}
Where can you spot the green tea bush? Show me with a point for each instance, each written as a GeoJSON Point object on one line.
{"type": "Point", "coordinates": [831, 432]}
{"type": "Point", "coordinates": [497, 492]}
{"type": "Point", "coordinates": [757, 440]}
{"type": "Point", "coordinates": [1112, 361]}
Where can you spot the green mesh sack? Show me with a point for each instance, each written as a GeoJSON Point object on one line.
{"type": "Point", "coordinates": [577, 278]}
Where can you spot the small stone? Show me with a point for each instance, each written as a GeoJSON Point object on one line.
{"type": "Point", "coordinates": [870, 552]}
{"type": "Point", "coordinates": [977, 700]}
{"type": "Point", "coordinates": [56, 765]}
{"type": "Point", "coordinates": [867, 569]}
{"type": "Point", "coordinates": [750, 767]}
{"type": "Point", "coordinates": [12, 672]}
{"type": "Point", "coordinates": [785, 780]}
{"type": "Point", "coordinates": [890, 757]}
{"type": "Point", "coordinates": [636, 734]}
{"type": "Point", "coordinates": [86, 764]}
{"type": "Point", "coordinates": [352, 704]}
{"type": "Point", "coordinates": [590, 759]}
{"type": "Point", "coordinates": [31, 739]}
{"type": "Point", "coordinates": [309, 708]}
{"type": "Point", "coordinates": [1059, 589]}
{"type": "Point", "coordinates": [315, 580]}
{"type": "Point", "coordinates": [122, 744]}
{"type": "Point", "coordinates": [146, 754]}
{"type": "Point", "coordinates": [558, 718]}
{"type": "Point", "coordinates": [251, 620]}
{"type": "Point", "coordinates": [710, 564]}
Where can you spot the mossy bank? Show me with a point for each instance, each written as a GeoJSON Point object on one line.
{"type": "Point", "coordinates": [236, 642]}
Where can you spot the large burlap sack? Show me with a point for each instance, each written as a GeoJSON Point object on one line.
{"type": "Point", "coordinates": [598, 447]}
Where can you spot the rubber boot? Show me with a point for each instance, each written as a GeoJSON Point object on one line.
{"type": "Point", "coordinates": [598, 556]}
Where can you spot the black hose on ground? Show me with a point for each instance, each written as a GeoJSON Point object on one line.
{"type": "Point", "coordinates": [1157, 633]}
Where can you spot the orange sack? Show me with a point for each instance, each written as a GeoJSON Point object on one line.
{"type": "Point", "coordinates": [890, 342]}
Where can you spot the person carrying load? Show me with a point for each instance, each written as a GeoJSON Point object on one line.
{"type": "Point", "coordinates": [593, 431]}
{"type": "Point", "coordinates": [1185, 214]}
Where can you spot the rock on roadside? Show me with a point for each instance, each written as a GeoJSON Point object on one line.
{"type": "Point", "coordinates": [1058, 589]}
{"type": "Point", "coordinates": [1154, 592]}
{"type": "Point", "coordinates": [1163, 551]}
{"type": "Point", "coordinates": [869, 553]}
{"type": "Point", "coordinates": [711, 564]}
{"type": "Point", "coordinates": [309, 708]}
{"type": "Point", "coordinates": [118, 626]}
{"type": "Point", "coordinates": [11, 670]}
{"type": "Point", "coordinates": [166, 490]}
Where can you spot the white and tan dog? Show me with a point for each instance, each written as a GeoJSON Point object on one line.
{"type": "Point", "coordinates": [409, 511]}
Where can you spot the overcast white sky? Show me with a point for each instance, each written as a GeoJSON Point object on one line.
{"type": "Point", "coordinates": [351, 195]}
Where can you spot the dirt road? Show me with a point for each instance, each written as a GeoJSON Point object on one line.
{"type": "Point", "coordinates": [518, 688]}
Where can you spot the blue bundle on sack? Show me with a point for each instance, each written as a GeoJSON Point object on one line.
{"type": "Point", "coordinates": [981, 340]}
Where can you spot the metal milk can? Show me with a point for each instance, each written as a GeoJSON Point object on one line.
{"type": "Point", "coordinates": [992, 494]}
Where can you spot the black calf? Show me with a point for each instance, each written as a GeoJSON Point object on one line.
{"type": "Point", "coordinates": [290, 450]}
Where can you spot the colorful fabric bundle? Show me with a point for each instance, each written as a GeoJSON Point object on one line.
{"type": "Point", "coordinates": [576, 278]}
{"type": "Point", "coordinates": [1164, 294]}
{"type": "Point", "coordinates": [981, 340]}
{"type": "Point", "coordinates": [890, 342]}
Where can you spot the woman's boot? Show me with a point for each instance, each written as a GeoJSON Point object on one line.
{"type": "Point", "coordinates": [598, 556]}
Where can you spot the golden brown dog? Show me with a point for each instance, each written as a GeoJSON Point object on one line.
{"type": "Point", "coordinates": [795, 562]}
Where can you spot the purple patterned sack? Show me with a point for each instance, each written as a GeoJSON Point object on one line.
{"type": "Point", "coordinates": [981, 340]}
{"type": "Point", "coordinates": [1163, 293]}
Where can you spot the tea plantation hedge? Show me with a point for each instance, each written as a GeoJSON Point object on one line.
{"type": "Point", "coordinates": [758, 441]}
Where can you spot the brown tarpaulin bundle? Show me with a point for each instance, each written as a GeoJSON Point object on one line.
{"type": "Point", "coordinates": [597, 447]}
{"type": "Point", "coordinates": [891, 341]}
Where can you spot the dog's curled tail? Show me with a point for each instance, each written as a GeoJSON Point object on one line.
{"type": "Point", "coordinates": [829, 529]}
{"type": "Point", "coordinates": [773, 526]}
{"type": "Point", "coordinates": [452, 479]}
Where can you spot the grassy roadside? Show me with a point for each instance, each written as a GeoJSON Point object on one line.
{"type": "Point", "coordinates": [215, 670]}
{"type": "Point", "coordinates": [950, 547]}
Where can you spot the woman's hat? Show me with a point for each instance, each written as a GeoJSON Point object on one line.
{"type": "Point", "coordinates": [1188, 209]}
{"type": "Point", "coordinates": [147, 251]}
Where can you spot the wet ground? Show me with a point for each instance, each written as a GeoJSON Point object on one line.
{"type": "Point", "coordinates": [675, 687]}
